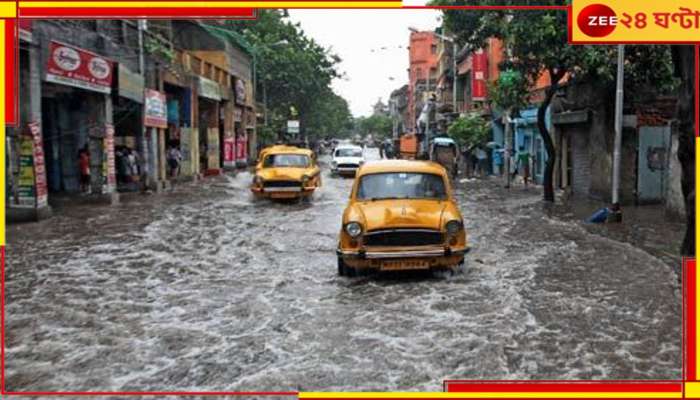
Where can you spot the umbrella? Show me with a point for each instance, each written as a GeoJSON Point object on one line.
{"type": "Point", "coordinates": [493, 145]}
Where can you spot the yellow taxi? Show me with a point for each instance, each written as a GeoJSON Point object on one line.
{"type": "Point", "coordinates": [402, 216]}
{"type": "Point", "coordinates": [286, 172]}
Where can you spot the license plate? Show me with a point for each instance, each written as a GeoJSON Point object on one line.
{"type": "Point", "coordinates": [404, 265]}
{"type": "Point", "coordinates": [282, 189]}
{"type": "Point", "coordinates": [283, 195]}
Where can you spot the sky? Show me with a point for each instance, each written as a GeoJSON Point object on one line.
{"type": "Point", "coordinates": [372, 45]}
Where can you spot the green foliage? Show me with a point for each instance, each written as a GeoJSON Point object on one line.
{"type": "Point", "coordinates": [379, 126]}
{"type": "Point", "coordinates": [510, 91]}
{"type": "Point", "coordinates": [470, 130]}
{"type": "Point", "coordinates": [293, 71]}
{"type": "Point", "coordinates": [158, 48]}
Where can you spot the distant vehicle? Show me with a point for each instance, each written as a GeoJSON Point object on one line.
{"type": "Point", "coordinates": [401, 216]}
{"type": "Point", "coordinates": [444, 151]}
{"type": "Point", "coordinates": [347, 158]}
{"type": "Point", "coordinates": [286, 172]}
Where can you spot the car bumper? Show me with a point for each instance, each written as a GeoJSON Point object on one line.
{"type": "Point", "coordinates": [378, 255]}
{"type": "Point", "coordinates": [282, 193]}
{"type": "Point", "coordinates": [345, 170]}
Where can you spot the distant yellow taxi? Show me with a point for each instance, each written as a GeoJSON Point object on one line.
{"type": "Point", "coordinates": [401, 216]}
{"type": "Point", "coordinates": [286, 172]}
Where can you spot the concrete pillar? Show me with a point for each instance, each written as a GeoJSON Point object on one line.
{"type": "Point", "coordinates": [564, 161]}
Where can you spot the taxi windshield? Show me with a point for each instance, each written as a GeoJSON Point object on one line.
{"type": "Point", "coordinates": [286, 160]}
{"type": "Point", "coordinates": [348, 153]}
{"type": "Point", "coordinates": [401, 185]}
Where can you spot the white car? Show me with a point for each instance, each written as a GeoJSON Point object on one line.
{"type": "Point", "coordinates": [347, 158]}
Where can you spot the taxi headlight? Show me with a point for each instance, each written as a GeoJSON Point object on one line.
{"type": "Point", "coordinates": [453, 227]}
{"type": "Point", "coordinates": [353, 229]}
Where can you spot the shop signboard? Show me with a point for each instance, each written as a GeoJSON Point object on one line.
{"type": "Point", "coordinates": [293, 126]}
{"type": "Point", "coordinates": [209, 89]}
{"type": "Point", "coordinates": [73, 66]}
{"type": "Point", "coordinates": [109, 166]}
{"type": "Point", "coordinates": [130, 84]}
{"type": "Point", "coordinates": [155, 112]}
{"type": "Point", "coordinates": [25, 190]}
{"type": "Point", "coordinates": [41, 188]}
{"type": "Point", "coordinates": [479, 72]}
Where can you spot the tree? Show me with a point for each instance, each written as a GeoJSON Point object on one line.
{"type": "Point", "coordinates": [292, 69]}
{"type": "Point", "coordinates": [684, 67]}
{"type": "Point", "coordinates": [469, 131]}
{"type": "Point", "coordinates": [377, 125]}
{"type": "Point", "coordinates": [536, 41]}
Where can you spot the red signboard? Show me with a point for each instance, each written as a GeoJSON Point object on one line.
{"type": "Point", "coordinates": [229, 156]}
{"type": "Point", "coordinates": [241, 148]}
{"type": "Point", "coordinates": [155, 113]}
{"type": "Point", "coordinates": [39, 165]}
{"type": "Point", "coordinates": [73, 66]}
{"type": "Point", "coordinates": [479, 75]}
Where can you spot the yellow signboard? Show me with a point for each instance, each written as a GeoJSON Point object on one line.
{"type": "Point", "coordinates": [634, 21]}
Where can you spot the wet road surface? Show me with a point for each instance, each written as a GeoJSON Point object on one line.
{"type": "Point", "coordinates": [205, 289]}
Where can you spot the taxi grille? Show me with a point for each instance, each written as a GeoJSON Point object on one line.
{"type": "Point", "coordinates": [347, 165]}
{"type": "Point", "coordinates": [275, 184]}
{"type": "Point", "coordinates": [403, 237]}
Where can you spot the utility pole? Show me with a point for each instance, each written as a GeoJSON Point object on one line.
{"type": "Point", "coordinates": [454, 76]}
{"type": "Point", "coordinates": [616, 215]}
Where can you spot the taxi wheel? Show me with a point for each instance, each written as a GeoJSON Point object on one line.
{"type": "Point", "coordinates": [341, 267]}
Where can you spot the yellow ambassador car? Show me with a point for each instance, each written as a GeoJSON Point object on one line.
{"type": "Point", "coordinates": [401, 216]}
{"type": "Point", "coordinates": [286, 172]}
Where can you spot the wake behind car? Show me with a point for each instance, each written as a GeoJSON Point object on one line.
{"type": "Point", "coordinates": [286, 172]}
{"type": "Point", "coordinates": [401, 216]}
{"type": "Point", "coordinates": [347, 158]}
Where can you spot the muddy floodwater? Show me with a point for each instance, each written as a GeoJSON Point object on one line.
{"type": "Point", "coordinates": [203, 289]}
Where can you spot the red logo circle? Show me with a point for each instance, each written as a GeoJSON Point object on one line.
{"type": "Point", "coordinates": [597, 20]}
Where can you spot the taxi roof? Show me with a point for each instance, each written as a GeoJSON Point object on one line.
{"type": "Point", "coordinates": [374, 167]}
{"type": "Point", "coordinates": [286, 149]}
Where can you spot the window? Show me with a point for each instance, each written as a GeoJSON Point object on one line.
{"type": "Point", "coordinates": [433, 49]}
{"type": "Point", "coordinates": [286, 160]}
{"type": "Point", "coordinates": [401, 185]}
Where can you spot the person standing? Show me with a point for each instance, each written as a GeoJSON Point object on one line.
{"type": "Point", "coordinates": [174, 158]}
{"type": "Point", "coordinates": [84, 168]}
{"type": "Point", "coordinates": [498, 161]}
{"type": "Point", "coordinates": [481, 158]}
{"type": "Point", "coordinates": [524, 164]}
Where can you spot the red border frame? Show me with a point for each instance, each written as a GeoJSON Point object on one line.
{"type": "Point", "coordinates": [503, 386]}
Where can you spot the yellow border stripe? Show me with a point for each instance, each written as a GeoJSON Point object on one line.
{"type": "Point", "coordinates": [4, 132]}
{"type": "Point", "coordinates": [198, 4]}
{"type": "Point", "coordinates": [489, 395]}
{"type": "Point", "coordinates": [8, 9]}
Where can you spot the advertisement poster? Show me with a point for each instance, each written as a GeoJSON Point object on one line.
{"type": "Point", "coordinates": [39, 165]}
{"type": "Point", "coordinates": [72, 66]}
{"type": "Point", "coordinates": [241, 148]}
{"type": "Point", "coordinates": [229, 156]}
{"type": "Point", "coordinates": [26, 193]}
{"type": "Point", "coordinates": [155, 112]}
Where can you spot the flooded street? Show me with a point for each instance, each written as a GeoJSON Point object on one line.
{"type": "Point", "coordinates": [204, 289]}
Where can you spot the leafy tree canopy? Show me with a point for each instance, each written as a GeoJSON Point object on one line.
{"type": "Point", "coordinates": [470, 130]}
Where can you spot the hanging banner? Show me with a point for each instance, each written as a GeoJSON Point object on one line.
{"type": "Point", "coordinates": [130, 84]}
{"type": "Point", "coordinates": [229, 152]}
{"type": "Point", "coordinates": [241, 148]}
{"type": "Point", "coordinates": [479, 75]}
{"type": "Point", "coordinates": [39, 165]}
{"type": "Point", "coordinates": [155, 112]}
{"type": "Point", "coordinates": [109, 165]}
{"type": "Point", "coordinates": [240, 92]}
{"type": "Point", "coordinates": [72, 66]}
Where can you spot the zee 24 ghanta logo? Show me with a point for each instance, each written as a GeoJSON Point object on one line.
{"type": "Point", "coordinates": [599, 20]}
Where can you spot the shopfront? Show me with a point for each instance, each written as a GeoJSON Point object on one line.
{"type": "Point", "coordinates": [77, 117]}
{"type": "Point", "coordinates": [209, 126]}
